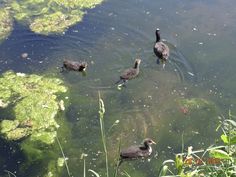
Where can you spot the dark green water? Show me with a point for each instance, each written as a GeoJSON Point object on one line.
{"type": "Point", "coordinates": [201, 36]}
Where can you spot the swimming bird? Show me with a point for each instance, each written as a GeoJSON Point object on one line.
{"type": "Point", "coordinates": [74, 66]}
{"type": "Point", "coordinates": [130, 73]}
{"type": "Point", "coordinates": [138, 151]}
{"type": "Point", "coordinates": [160, 49]}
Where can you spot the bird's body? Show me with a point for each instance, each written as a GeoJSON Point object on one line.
{"type": "Point", "coordinates": [130, 73]}
{"type": "Point", "coordinates": [141, 151]}
{"type": "Point", "coordinates": [74, 65]}
{"type": "Point", "coordinates": [160, 49]}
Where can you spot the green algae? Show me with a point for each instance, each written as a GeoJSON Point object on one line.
{"type": "Point", "coordinates": [35, 106]}
{"type": "Point", "coordinates": [6, 23]}
{"type": "Point", "coordinates": [43, 16]}
{"type": "Point", "coordinates": [33, 100]}
{"type": "Point", "coordinates": [56, 22]}
{"type": "Point", "coordinates": [195, 103]}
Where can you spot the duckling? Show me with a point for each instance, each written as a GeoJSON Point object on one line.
{"type": "Point", "coordinates": [74, 66]}
{"type": "Point", "coordinates": [130, 73]}
{"type": "Point", "coordinates": [141, 151]}
{"type": "Point", "coordinates": [160, 49]}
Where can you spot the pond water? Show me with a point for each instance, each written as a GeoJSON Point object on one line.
{"type": "Point", "coordinates": [201, 37]}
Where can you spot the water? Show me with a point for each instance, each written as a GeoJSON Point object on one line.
{"type": "Point", "coordinates": [201, 36]}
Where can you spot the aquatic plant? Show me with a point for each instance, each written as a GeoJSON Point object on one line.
{"type": "Point", "coordinates": [101, 119]}
{"type": "Point", "coordinates": [214, 161]}
{"type": "Point", "coordinates": [6, 24]}
{"type": "Point", "coordinates": [195, 103]}
{"type": "Point", "coordinates": [35, 106]}
{"type": "Point", "coordinates": [33, 101]}
{"type": "Point", "coordinates": [43, 16]}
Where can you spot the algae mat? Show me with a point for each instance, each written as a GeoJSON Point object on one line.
{"type": "Point", "coordinates": [43, 16]}
{"type": "Point", "coordinates": [34, 102]}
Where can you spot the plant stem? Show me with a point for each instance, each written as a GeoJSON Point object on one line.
{"type": "Point", "coordinates": [84, 168]}
{"type": "Point", "coordinates": [64, 157]}
{"type": "Point", "coordinates": [101, 115]}
{"type": "Point", "coordinates": [119, 161]}
{"type": "Point", "coordinates": [10, 173]}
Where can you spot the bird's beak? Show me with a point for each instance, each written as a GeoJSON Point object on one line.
{"type": "Point", "coordinates": [154, 142]}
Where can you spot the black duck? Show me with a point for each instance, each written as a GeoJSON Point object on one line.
{"type": "Point", "coordinates": [74, 66]}
{"type": "Point", "coordinates": [130, 73]}
{"type": "Point", "coordinates": [160, 49]}
{"type": "Point", "coordinates": [141, 151]}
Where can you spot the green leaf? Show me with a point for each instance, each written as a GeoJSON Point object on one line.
{"type": "Point", "coordinates": [179, 163]}
{"type": "Point", "coordinates": [233, 140]}
{"type": "Point", "coordinates": [219, 154]}
{"type": "Point", "coordinates": [224, 138]}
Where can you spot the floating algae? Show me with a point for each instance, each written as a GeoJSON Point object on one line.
{"type": "Point", "coordinates": [43, 16]}
{"type": "Point", "coordinates": [35, 106]}
{"type": "Point", "coordinates": [33, 100]}
{"type": "Point", "coordinates": [5, 23]}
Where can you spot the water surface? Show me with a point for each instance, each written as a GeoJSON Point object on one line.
{"type": "Point", "coordinates": [201, 36]}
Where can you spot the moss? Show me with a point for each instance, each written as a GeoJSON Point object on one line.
{"type": "Point", "coordinates": [35, 106]}
{"type": "Point", "coordinates": [6, 24]}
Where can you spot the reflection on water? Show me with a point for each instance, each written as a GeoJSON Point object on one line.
{"type": "Point", "coordinates": [109, 39]}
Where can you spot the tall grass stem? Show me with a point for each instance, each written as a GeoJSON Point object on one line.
{"type": "Point", "coordinates": [64, 157]}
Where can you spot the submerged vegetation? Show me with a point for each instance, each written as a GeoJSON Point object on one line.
{"type": "Point", "coordinates": [43, 16]}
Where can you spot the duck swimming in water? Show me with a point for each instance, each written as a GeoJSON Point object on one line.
{"type": "Point", "coordinates": [130, 73]}
{"type": "Point", "coordinates": [74, 66]}
{"type": "Point", "coordinates": [160, 49]}
{"type": "Point", "coordinates": [141, 151]}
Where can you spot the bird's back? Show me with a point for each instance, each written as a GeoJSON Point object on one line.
{"type": "Point", "coordinates": [161, 50]}
{"type": "Point", "coordinates": [129, 73]}
{"type": "Point", "coordinates": [132, 152]}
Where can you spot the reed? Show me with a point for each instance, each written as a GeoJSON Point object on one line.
{"type": "Point", "coordinates": [103, 135]}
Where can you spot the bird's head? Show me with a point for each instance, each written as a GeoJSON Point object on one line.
{"type": "Point", "coordinates": [138, 61]}
{"type": "Point", "coordinates": [148, 141]}
{"type": "Point", "coordinates": [83, 66]}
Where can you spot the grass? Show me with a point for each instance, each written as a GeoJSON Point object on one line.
{"type": "Point", "coordinates": [214, 161]}
{"type": "Point", "coordinates": [64, 157]}
{"type": "Point", "coordinates": [103, 135]}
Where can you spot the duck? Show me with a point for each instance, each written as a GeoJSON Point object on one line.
{"type": "Point", "coordinates": [160, 49]}
{"type": "Point", "coordinates": [138, 151]}
{"type": "Point", "coordinates": [74, 66]}
{"type": "Point", "coordinates": [130, 73]}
